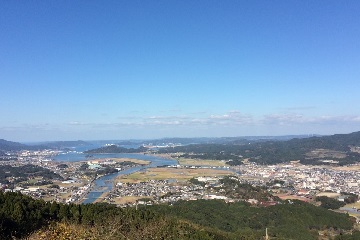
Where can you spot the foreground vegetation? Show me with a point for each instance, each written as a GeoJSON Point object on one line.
{"type": "Point", "coordinates": [24, 217]}
{"type": "Point", "coordinates": [22, 173]}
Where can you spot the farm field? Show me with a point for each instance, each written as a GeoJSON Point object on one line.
{"type": "Point", "coordinates": [200, 162]}
{"type": "Point", "coordinates": [170, 173]}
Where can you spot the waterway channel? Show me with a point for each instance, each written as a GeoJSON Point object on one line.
{"type": "Point", "coordinates": [105, 183]}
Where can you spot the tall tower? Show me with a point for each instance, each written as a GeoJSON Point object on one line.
{"type": "Point", "coordinates": [266, 235]}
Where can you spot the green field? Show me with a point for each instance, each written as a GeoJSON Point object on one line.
{"type": "Point", "coordinates": [171, 173]}
{"type": "Point", "coordinates": [200, 162]}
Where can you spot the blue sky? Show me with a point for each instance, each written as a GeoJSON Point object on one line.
{"type": "Point", "coordinates": [150, 69]}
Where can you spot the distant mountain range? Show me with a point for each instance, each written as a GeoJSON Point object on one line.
{"type": "Point", "coordinates": [16, 146]}
{"type": "Point", "coordinates": [12, 146]}
{"type": "Point", "coordinates": [335, 149]}
{"type": "Point", "coordinates": [338, 148]}
{"type": "Point", "coordinates": [222, 140]}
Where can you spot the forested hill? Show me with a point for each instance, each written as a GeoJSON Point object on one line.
{"type": "Point", "coordinates": [341, 148]}
{"type": "Point", "coordinates": [22, 217]}
{"type": "Point", "coordinates": [116, 149]}
{"type": "Point", "coordinates": [16, 146]}
{"type": "Point", "coordinates": [12, 146]}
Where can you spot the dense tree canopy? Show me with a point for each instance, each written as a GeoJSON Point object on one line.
{"type": "Point", "coordinates": [23, 172]}
{"type": "Point", "coordinates": [21, 216]}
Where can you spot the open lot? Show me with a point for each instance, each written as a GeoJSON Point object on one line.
{"type": "Point", "coordinates": [355, 167]}
{"type": "Point", "coordinates": [69, 184]}
{"type": "Point", "coordinates": [124, 200]}
{"type": "Point", "coordinates": [353, 205]}
{"type": "Point", "coordinates": [328, 194]}
{"type": "Point", "coordinates": [170, 173]}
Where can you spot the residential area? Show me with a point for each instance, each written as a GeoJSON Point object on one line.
{"type": "Point", "coordinates": [180, 182]}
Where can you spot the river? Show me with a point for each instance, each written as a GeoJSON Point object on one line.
{"type": "Point", "coordinates": [105, 183]}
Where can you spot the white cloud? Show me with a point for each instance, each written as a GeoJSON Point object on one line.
{"type": "Point", "coordinates": [283, 119]}
{"type": "Point", "coordinates": [291, 119]}
{"type": "Point", "coordinates": [230, 118]}
{"type": "Point", "coordinates": [76, 123]}
{"type": "Point", "coordinates": [304, 108]}
{"type": "Point", "coordinates": [222, 124]}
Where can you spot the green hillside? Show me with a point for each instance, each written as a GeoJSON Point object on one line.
{"type": "Point", "coordinates": [341, 148]}
{"type": "Point", "coordinates": [23, 217]}
{"type": "Point", "coordinates": [11, 146]}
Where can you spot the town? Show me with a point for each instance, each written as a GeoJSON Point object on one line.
{"type": "Point", "coordinates": [178, 182]}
